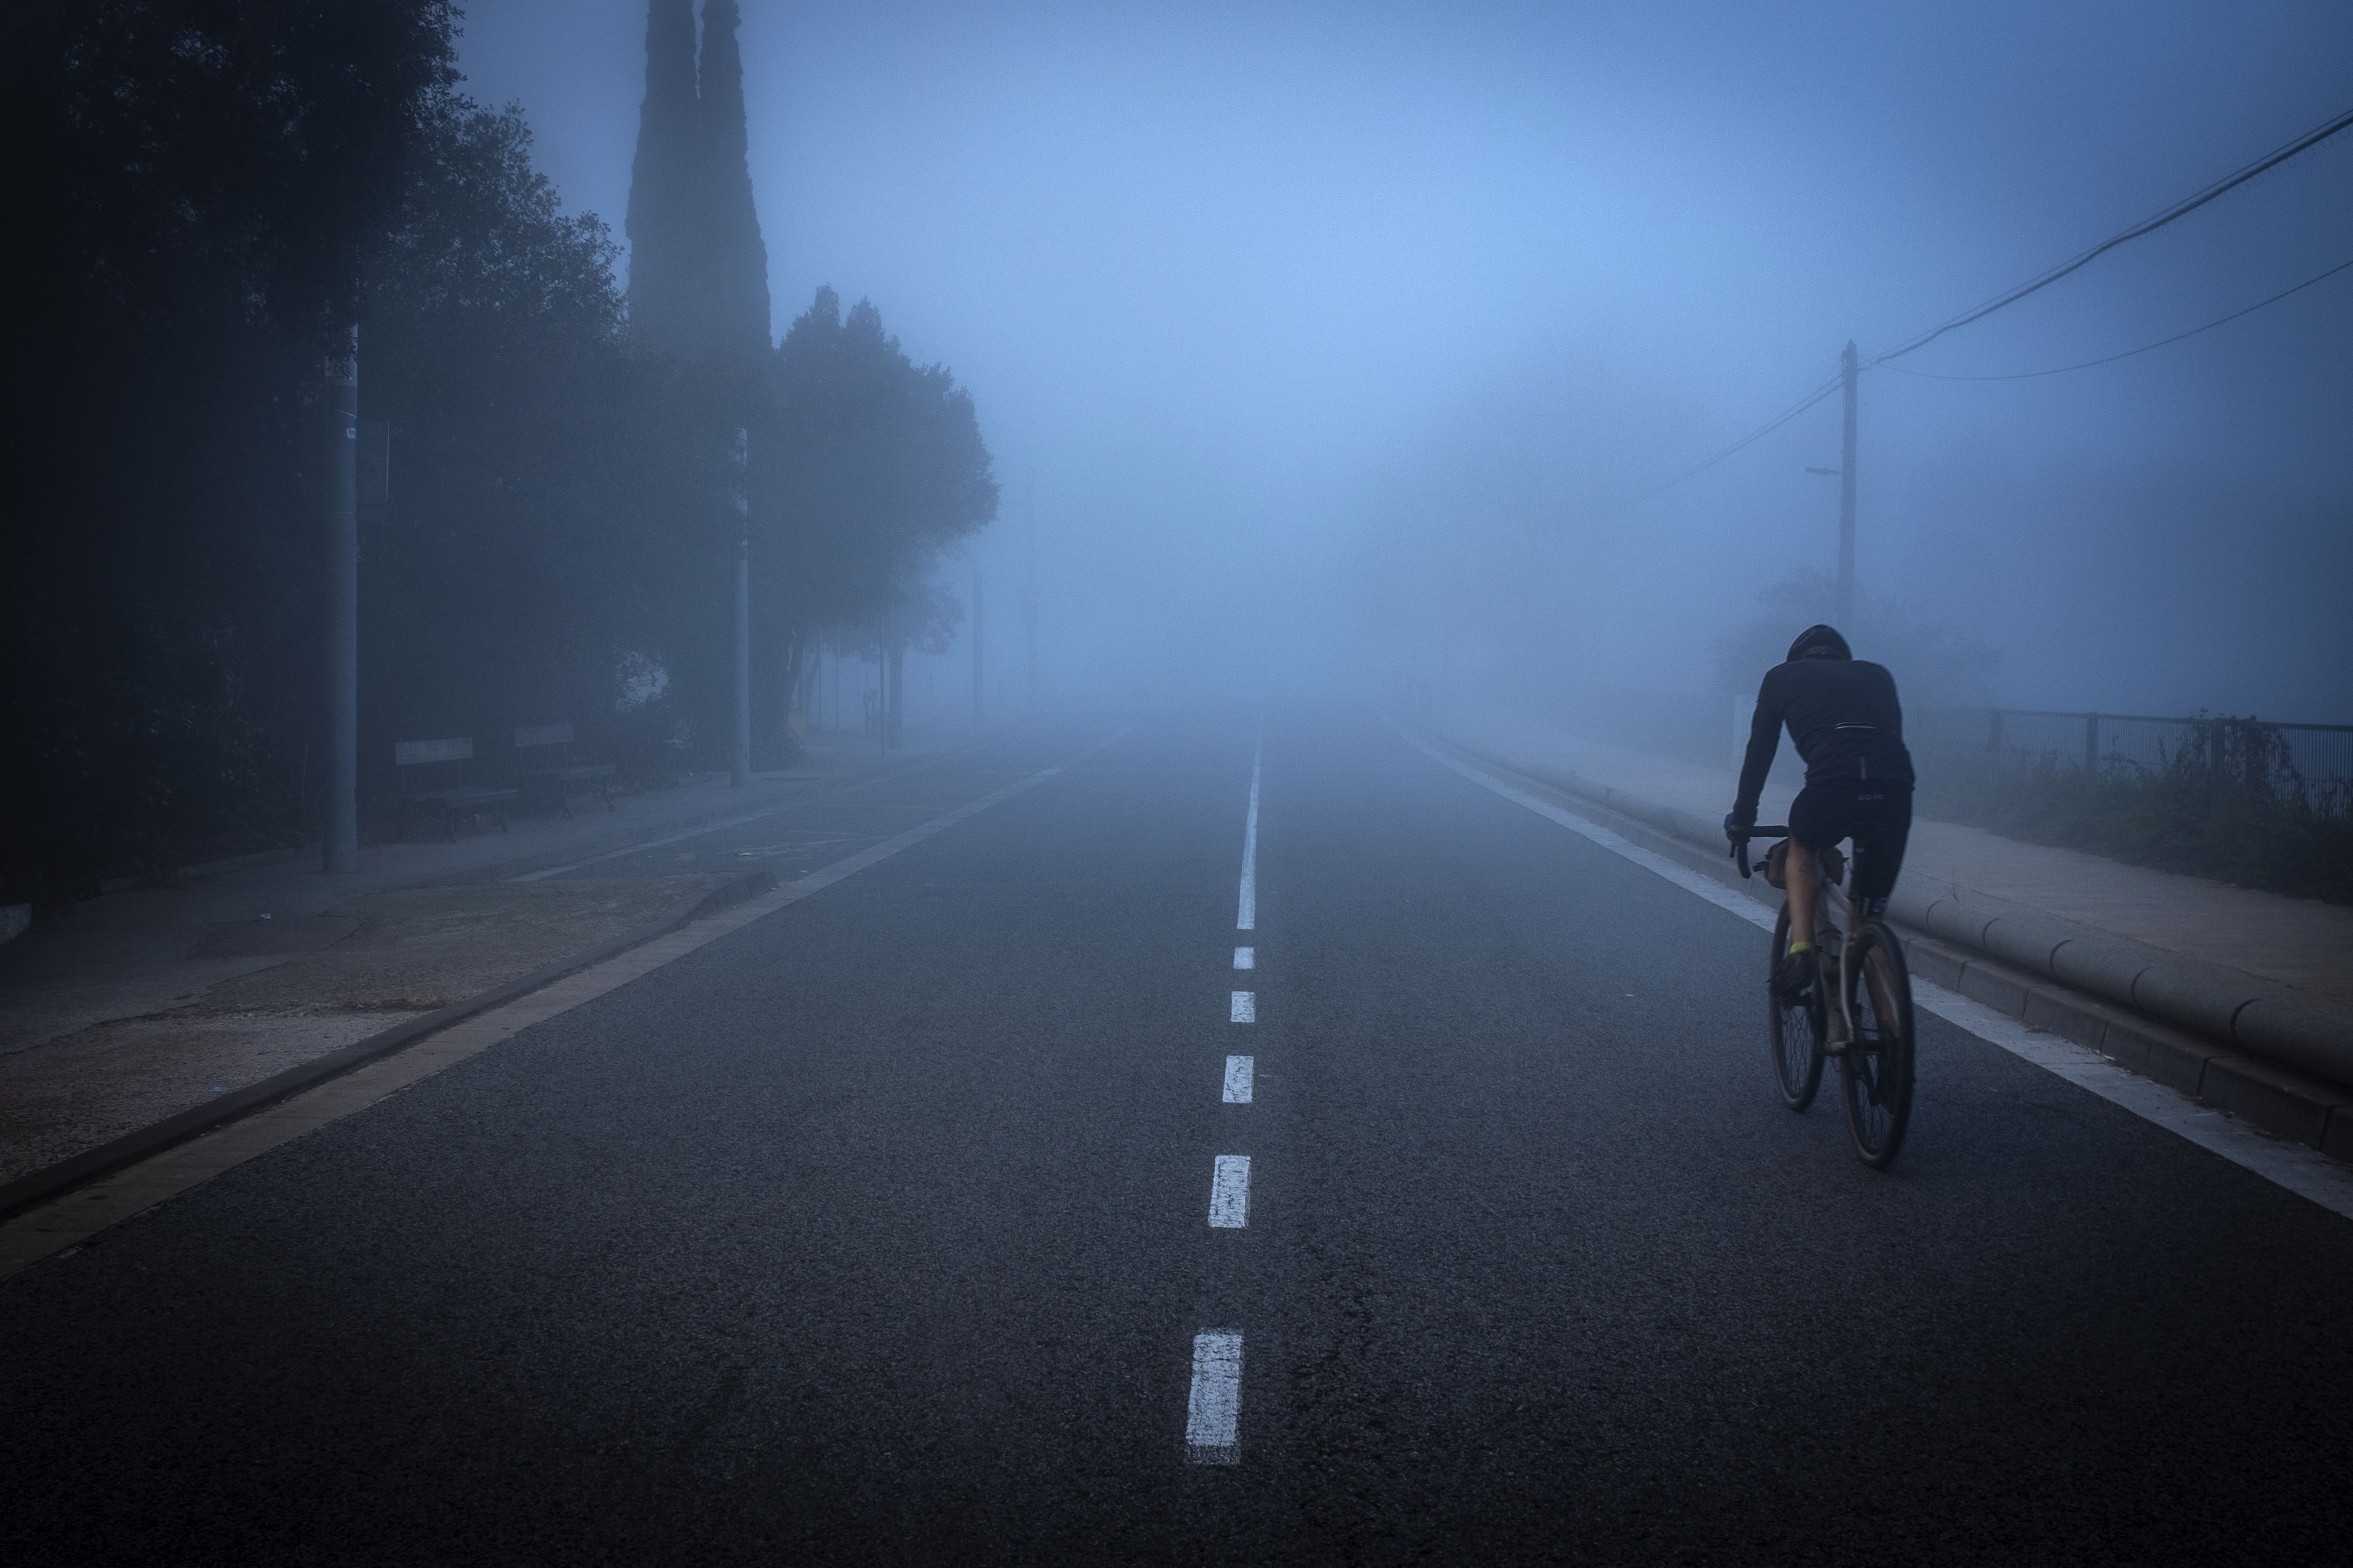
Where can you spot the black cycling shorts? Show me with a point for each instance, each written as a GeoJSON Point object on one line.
{"type": "Point", "coordinates": [1877, 817]}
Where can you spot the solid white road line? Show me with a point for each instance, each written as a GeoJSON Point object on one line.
{"type": "Point", "coordinates": [75, 1217]}
{"type": "Point", "coordinates": [1230, 1193]}
{"type": "Point", "coordinates": [720, 827]}
{"type": "Point", "coordinates": [1247, 919]}
{"type": "Point", "coordinates": [1213, 1412]}
{"type": "Point", "coordinates": [1241, 1072]}
{"type": "Point", "coordinates": [2306, 1172]}
{"type": "Point", "coordinates": [1245, 1006]}
{"type": "Point", "coordinates": [1245, 958]}
{"type": "Point", "coordinates": [2301, 1171]}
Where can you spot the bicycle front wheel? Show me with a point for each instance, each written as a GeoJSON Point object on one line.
{"type": "Point", "coordinates": [1877, 1066]}
{"type": "Point", "coordinates": [1797, 1030]}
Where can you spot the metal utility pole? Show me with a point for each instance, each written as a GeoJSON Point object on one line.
{"type": "Point", "coordinates": [885, 667]}
{"type": "Point", "coordinates": [1029, 604]}
{"type": "Point", "coordinates": [898, 695]}
{"type": "Point", "coordinates": [979, 627]}
{"type": "Point", "coordinates": [1843, 616]}
{"type": "Point", "coordinates": [340, 851]}
{"type": "Point", "coordinates": [740, 765]}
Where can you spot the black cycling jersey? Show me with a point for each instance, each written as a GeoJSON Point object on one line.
{"type": "Point", "coordinates": [1842, 716]}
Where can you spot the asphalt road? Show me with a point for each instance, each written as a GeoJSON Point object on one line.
{"type": "Point", "coordinates": [878, 1231]}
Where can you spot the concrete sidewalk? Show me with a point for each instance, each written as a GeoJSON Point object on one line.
{"type": "Point", "coordinates": [138, 1004]}
{"type": "Point", "coordinates": [2298, 943]}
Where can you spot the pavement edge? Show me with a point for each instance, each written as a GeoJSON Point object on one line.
{"type": "Point", "coordinates": [2280, 1098]}
{"type": "Point", "coordinates": [51, 1182]}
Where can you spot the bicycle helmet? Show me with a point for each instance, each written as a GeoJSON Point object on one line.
{"type": "Point", "coordinates": [1820, 642]}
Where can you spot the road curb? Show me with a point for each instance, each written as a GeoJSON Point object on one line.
{"type": "Point", "coordinates": [2226, 1039]}
{"type": "Point", "coordinates": [37, 1187]}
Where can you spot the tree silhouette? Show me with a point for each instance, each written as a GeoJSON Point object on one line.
{"type": "Point", "coordinates": [868, 465]}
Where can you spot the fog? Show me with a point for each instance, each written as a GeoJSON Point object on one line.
{"type": "Point", "coordinates": [1320, 343]}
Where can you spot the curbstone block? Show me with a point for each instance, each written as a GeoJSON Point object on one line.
{"type": "Point", "coordinates": [1946, 917]}
{"type": "Point", "coordinates": [2025, 940]}
{"type": "Point", "coordinates": [2163, 1055]}
{"type": "Point", "coordinates": [2105, 969]}
{"type": "Point", "coordinates": [1982, 983]}
{"type": "Point", "coordinates": [2069, 1018]}
{"type": "Point", "coordinates": [2173, 992]}
{"type": "Point", "coordinates": [1909, 904]}
{"type": "Point", "coordinates": [2280, 1101]}
{"type": "Point", "coordinates": [2337, 1138]}
{"type": "Point", "coordinates": [1935, 964]}
{"type": "Point", "coordinates": [2299, 1038]}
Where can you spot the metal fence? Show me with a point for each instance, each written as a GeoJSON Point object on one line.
{"type": "Point", "coordinates": [2323, 753]}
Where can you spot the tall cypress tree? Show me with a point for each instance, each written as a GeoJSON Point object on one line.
{"type": "Point", "coordinates": [697, 268]}
{"type": "Point", "coordinates": [664, 216]}
{"type": "Point", "coordinates": [736, 264]}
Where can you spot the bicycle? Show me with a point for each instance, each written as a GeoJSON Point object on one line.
{"type": "Point", "coordinates": [1873, 992]}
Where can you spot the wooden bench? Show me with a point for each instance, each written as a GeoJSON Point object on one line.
{"type": "Point", "coordinates": [553, 769]}
{"type": "Point", "coordinates": [433, 783]}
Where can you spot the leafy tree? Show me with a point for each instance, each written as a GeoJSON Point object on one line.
{"type": "Point", "coordinates": [192, 185]}
{"type": "Point", "coordinates": [867, 466]}
{"type": "Point", "coordinates": [558, 501]}
{"type": "Point", "coordinates": [207, 191]}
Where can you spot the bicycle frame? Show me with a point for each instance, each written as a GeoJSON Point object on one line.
{"type": "Point", "coordinates": [1834, 898]}
{"type": "Point", "coordinates": [1876, 1075]}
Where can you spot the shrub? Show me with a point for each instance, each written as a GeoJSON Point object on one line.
{"type": "Point", "coordinates": [2227, 803]}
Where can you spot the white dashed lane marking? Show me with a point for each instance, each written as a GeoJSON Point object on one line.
{"type": "Point", "coordinates": [1241, 1072]}
{"type": "Point", "coordinates": [1213, 1413]}
{"type": "Point", "coordinates": [1230, 1193]}
{"type": "Point", "coordinates": [1213, 1409]}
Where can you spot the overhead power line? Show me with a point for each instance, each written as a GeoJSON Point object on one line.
{"type": "Point", "coordinates": [2111, 359]}
{"type": "Point", "coordinates": [2179, 209]}
{"type": "Point", "coordinates": [1824, 390]}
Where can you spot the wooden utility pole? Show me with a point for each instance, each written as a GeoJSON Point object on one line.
{"type": "Point", "coordinates": [1843, 616]}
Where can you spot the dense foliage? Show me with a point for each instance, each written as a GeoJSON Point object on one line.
{"type": "Point", "coordinates": [557, 500]}
{"type": "Point", "coordinates": [192, 187]}
{"type": "Point", "coordinates": [204, 192]}
{"type": "Point", "coordinates": [870, 465]}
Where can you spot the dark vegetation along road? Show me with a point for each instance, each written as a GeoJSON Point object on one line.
{"type": "Point", "coordinates": [910, 1222]}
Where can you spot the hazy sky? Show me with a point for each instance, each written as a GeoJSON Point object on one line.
{"type": "Point", "coordinates": [1257, 299]}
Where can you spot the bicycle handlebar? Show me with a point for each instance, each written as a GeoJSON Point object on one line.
{"type": "Point", "coordinates": [1740, 837]}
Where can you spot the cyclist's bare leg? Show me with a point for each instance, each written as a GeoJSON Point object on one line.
{"type": "Point", "coordinates": [1797, 871]}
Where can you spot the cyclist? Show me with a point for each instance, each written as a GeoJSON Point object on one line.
{"type": "Point", "coordinates": [1845, 720]}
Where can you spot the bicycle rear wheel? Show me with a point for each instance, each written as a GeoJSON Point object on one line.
{"type": "Point", "coordinates": [1797, 1030]}
{"type": "Point", "coordinates": [1876, 1066]}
